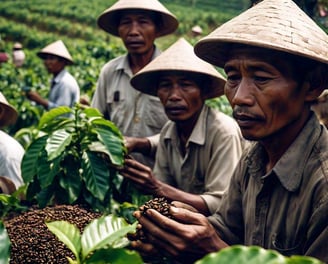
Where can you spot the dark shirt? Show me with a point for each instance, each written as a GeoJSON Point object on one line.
{"type": "Point", "coordinates": [285, 209]}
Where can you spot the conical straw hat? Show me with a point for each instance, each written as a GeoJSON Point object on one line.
{"type": "Point", "coordinates": [109, 19]}
{"type": "Point", "coordinates": [274, 24]}
{"type": "Point", "coordinates": [57, 48]}
{"type": "Point", "coordinates": [179, 57]}
{"type": "Point", "coordinates": [8, 114]}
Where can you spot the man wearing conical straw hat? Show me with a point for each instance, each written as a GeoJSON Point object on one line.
{"type": "Point", "coordinates": [191, 160]}
{"type": "Point", "coordinates": [137, 115]}
{"type": "Point", "coordinates": [276, 59]}
{"type": "Point", "coordinates": [11, 151]}
{"type": "Point", "coordinates": [64, 90]}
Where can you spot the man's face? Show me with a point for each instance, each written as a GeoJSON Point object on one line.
{"type": "Point", "coordinates": [180, 96]}
{"type": "Point", "coordinates": [53, 64]}
{"type": "Point", "coordinates": [138, 32]}
{"type": "Point", "coordinates": [265, 98]}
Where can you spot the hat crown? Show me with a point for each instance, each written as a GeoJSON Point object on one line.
{"type": "Point", "coordinates": [56, 48]}
{"type": "Point", "coordinates": [178, 57]}
{"type": "Point", "coordinates": [280, 25]}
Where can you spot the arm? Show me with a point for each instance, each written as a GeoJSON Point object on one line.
{"type": "Point", "coordinates": [36, 97]}
{"type": "Point", "coordinates": [144, 145]}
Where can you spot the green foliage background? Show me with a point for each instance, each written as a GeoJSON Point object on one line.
{"type": "Point", "coordinates": [36, 23]}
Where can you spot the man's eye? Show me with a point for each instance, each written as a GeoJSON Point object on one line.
{"type": "Point", "coordinates": [185, 84]}
{"type": "Point", "coordinates": [144, 21]}
{"type": "Point", "coordinates": [261, 78]}
{"type": "Point", "coordinates": [163, 84]}
{"type": "Point", "coordinates": [124, 22]}
{"type": "Point", "coordinates": [232, 78]}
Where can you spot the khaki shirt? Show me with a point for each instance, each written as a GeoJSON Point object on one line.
{"type": "Point", "coordinates": [212, 152]}
{"type": "Point", "coordinates": [136, 114]}
{"type": "Point", "coordinates": [285, 209]}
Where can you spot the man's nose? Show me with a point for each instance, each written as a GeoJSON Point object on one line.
{"type": "Point", "coordinates": [243, 95]}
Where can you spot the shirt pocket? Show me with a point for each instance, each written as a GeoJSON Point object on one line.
{"type": "Point", "coordinates": [154, 113]}
{"type": "Point", "coordinates": [117, 110]}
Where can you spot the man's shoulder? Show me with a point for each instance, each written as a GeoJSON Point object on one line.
{"type": "Point", "coordinates": [220, 120]}
{"type": "Point", "coordinates": [114, 63]}
{"type": "Point", "coordinates": [9, 142]}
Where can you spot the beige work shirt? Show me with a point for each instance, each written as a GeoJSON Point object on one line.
{"type": "Point", "coordinates": [212, 152]}
{"type": "Point", "coordinates": [285, 209]}
{"type": "Point", "coordinates": [136, 114]}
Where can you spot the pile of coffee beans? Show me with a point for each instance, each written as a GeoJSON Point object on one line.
{"type": "Point", "coordinates": [33, 242]}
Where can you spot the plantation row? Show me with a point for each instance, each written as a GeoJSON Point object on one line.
{"type": "Point", "coordinates": [38, 23]}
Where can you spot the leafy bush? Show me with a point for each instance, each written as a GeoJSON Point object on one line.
{"type": "Point", "coordinates": [74, 159]}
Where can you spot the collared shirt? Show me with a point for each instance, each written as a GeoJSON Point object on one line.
{"type": "Point", "coordinates": [285, 209]}
{"type": "Point", "coordinates": [136, 114]}
{"type": "Point", "coordinates": [64, 91]}
{"type": "Point", "coordinates": [212, 152]}
{"type": "Point", "coordinates": [11, 155]}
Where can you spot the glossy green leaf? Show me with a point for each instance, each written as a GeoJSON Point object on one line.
{"type": "Point", "coordinates": [30, 160]}
{"type": "Point", "coordinates": [4, 245]}
{"type": "Point", "coordinates": [57, 143]}
{"type": "Point", "coordinates": [47, 170]}
{"type": "Point", "coordinates": [239, 254]}
{"type": "Point", "coordinates": [303, 260]}
{"type": "Point", "coordinates": [92, 112]}
{"type": "Point", "coordinates": [105, 231]}
{"type": "Point", "coordinates": [114, 256]}
{"type": "Point", "coordinates": [114, 145]}
{"type": "Point", "coordinates": [95, 174]}
{"type": "Point", "coordinates": [48, 117]}
{"type": "Point", "coordinates": [109, 125]}
{"type": "Point", "coordinates": [69, 234]}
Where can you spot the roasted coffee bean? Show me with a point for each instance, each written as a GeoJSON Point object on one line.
{"type": "Point", "coordinates": [160, 204]}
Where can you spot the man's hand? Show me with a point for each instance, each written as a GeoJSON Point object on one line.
{"type": "Point", "coordinates": [141, 175]}
{"type": "Point", "coordinates": [135, 144]}
{"type": "Point", "coordinates": [188, 235]}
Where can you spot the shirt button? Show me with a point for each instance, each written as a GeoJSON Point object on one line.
{"type": "Point", "coordinates": [136, 119]}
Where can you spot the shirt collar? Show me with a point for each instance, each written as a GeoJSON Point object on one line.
{"type": "Point", "coordinates": [289, 169]}
{"type": "Point", "coordinates": [124, 63]}
{"type": "Point", "coordinates": [198, 134]}
{"type": "Point", "coordinates": [59, 76]}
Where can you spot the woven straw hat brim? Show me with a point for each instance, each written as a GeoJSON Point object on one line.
{"type": "Point", "coordinates": [279, 25]}
{"type": "Point", "coordinates": [56, 48]}
{"type": "Point", "coordinates": [8, 114]}
{"type": "Point", "coordinates": [179, 57]}
{"type": "Point", "coordinates": [109, 19]}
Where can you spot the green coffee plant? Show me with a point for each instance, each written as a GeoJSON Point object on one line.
{"type": "Point", "coordinates": [74, 159]}
{"type": "Point", "coordinates": [103, 241]}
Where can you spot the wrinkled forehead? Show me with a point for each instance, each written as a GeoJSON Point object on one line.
{"type": "Point", "coordinates": [244, 52]}
{"type": "Point", "coordinates": [282, 61]}
{"type": "Point", "coordinates": [138, 13]}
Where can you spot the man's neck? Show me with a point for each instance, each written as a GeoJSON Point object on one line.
{"type": "Point", "coordinates": [138, 61]}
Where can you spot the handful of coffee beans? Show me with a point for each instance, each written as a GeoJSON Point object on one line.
{"type": "Point", "coordinates": [161, 205]}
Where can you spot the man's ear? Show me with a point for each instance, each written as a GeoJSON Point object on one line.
{"type": "Point", "coordinates": [312, 93]}
{"type": "Point", "coordinates": [315, 82]}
